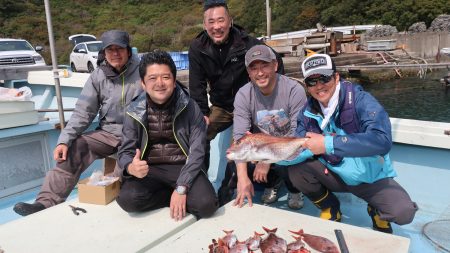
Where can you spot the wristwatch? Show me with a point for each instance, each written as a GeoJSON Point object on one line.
{"type": "Point", "coordinates": [181, 189]}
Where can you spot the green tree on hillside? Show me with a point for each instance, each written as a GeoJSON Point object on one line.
{"type": "Point", "coordinates": [171, 25]}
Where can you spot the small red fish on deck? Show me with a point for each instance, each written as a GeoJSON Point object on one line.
{"type": "Point", "coordinates": [254, 241]}
{"type": "Point", "coordinates": [218, 247]}
{"type": "Point", "coordinates": [229, 239]}
{"type": "Point", "coordinates": [240, 247]}
{"type": "Point", "coordinates": [265, 148]}
{"type": "Point", "coordinates": [272, 243]}
{"type": "Point", "coordinates": [297, 246]}
{"type": "Point", "coordinates": [318, 243]}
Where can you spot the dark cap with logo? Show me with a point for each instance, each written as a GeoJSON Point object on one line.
{"type": "Point", "coordinates": [321, 64]}
{"type": "Point", "coordinates": [259, 52]}
{"type": "Point", "coordinates": [115, 37]}
{"type": "Point", "coordinates": [214, 3]}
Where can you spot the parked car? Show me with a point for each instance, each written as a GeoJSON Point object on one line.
{"type": "Point", "coordinates": [84, 56]}
{"type": "Point", "coordinates": [19, 52]}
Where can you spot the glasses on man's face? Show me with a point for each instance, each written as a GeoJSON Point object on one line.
{"type": "Point", "coordinates": [312, 81]}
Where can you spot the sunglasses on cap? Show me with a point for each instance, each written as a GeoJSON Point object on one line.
{"type": "Point", "coordinates": [312, 81]}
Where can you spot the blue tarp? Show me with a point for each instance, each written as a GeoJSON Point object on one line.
{"type": "Point", "coordinates": [181, 59]}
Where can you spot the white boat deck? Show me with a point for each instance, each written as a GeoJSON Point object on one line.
{"type": "Point", "coordinates": [110, 229]}
{"type": "Point", "coordinates": [102, 229]}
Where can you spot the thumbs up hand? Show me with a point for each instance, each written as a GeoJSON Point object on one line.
{"type": "Point", "coordinates": [138, 167]}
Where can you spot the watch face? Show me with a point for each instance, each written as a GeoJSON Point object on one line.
{"type": "Point", "coordinates": [181, 189]}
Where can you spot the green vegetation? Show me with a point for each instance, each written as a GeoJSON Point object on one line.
{"type": "Point", "coordinates": [171, 25]}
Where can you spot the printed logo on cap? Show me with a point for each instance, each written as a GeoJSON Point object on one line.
{"type": "Point", "coordinates": [256, 53]}
{"type": "Point", "coordinates": [315, 62]}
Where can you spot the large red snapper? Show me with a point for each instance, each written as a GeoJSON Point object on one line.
{"type": "Point", "coordinates": [272, 243]}
{"type": "Point", "coordinates": [265, 148]}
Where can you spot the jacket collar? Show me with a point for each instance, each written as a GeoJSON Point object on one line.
{"type": "Point", "coordinates": [129, 68]}
{"type": "Point", "coordinates": [238, 33]}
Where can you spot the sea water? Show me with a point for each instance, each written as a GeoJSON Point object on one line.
{"type": "Point", "coordinates": [414, 97]}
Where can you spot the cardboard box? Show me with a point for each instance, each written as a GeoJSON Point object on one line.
{"type": "Point", "coordinates": [100, 195]}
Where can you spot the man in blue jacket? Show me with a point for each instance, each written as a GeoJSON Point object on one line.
{"type": "Point", "coordinates": [347, 151]}
{"type": "Point", "coordinates": [163, 146]}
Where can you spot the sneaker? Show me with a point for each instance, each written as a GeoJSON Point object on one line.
{"type": "Point", "coordinates": [295, 200]}
{"type": "Point", "coordinates": [377, 223]}
{"type": "Point", "coordinates": [25, 209]}
{"type": "Point", "coordinates": [270, 195]}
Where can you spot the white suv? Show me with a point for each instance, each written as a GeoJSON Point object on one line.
{"type": "Point", "coordinates": [18, 52]}
{"type": "Point", "coordinates": [84, 56]}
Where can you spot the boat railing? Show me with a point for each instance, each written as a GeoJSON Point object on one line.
{"type": "Point", "coordinates": [422, 133]}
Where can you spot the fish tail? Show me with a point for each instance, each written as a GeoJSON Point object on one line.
{"type": "Point", "coordinates": [300, 232]}
{"type": "Point", "coordinates": [268, 230]}
{"type": "Point", "coordinates": [228, 231]}
{"type": "Point", "coordinates": [296, 237]}
{"type": "Point", "coordinates": [258, 234]}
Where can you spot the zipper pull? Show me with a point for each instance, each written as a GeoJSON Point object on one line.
{"type": "Point", "coordinates": [325, 171]}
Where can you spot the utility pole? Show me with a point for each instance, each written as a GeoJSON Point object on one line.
{"type": "Point", "coordinates": [268, 17]}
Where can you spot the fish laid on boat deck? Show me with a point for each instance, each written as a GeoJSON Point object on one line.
{"type": "Point", "coordinates": [246, 220]}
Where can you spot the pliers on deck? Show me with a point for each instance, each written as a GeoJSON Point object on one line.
{"type": "Point", "coordinates": [76, 209]}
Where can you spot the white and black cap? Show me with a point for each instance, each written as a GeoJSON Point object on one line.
{"type": "Point", "coordinates": [321, 64]}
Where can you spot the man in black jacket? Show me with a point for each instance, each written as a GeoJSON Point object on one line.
{"type": "Point", "coordinates": [216, 59]}
{"type": "Point", "coordinates": [163, 146]}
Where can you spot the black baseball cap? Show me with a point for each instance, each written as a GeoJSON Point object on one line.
{"type": "Point", "coordinates": [115, 37]}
